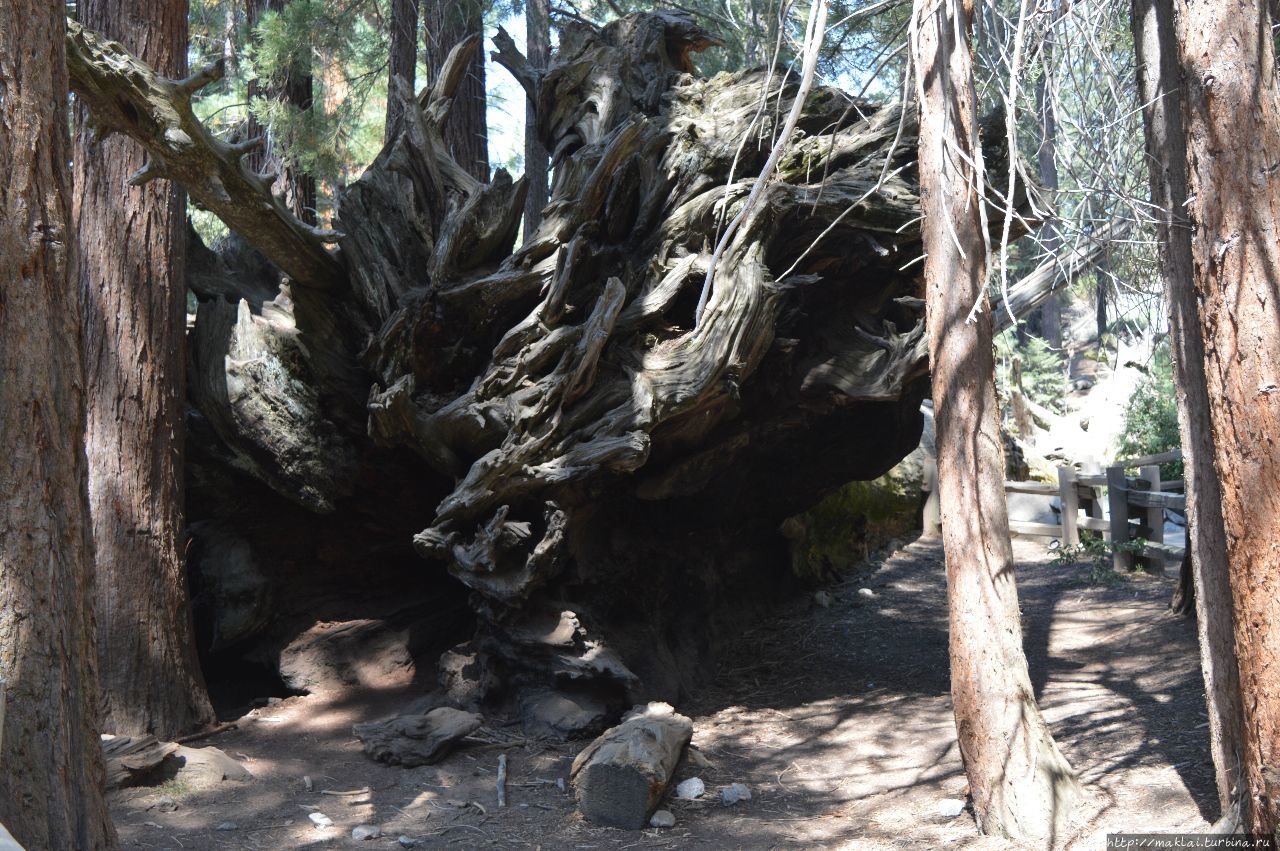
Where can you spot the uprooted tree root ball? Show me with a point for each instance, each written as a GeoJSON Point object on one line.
{"type": "Point", "coordinates": [548, 424]}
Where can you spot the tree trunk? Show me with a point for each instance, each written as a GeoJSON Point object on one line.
{"type": "Point", "coordinates": [466, 136]}
{"type": "Point", "coordinates": [536, 160]}
{"type": "Point", "coordinates": [132, 276]}
{"type": "Point", "coordinates": [1022, 786]}
{"type": "Point", "coordinates": [294, 87]}
{"type": "Point", "coordinates": [1232, 113]}
{"type": "Point", "coordinates": [51, 783]}
{"type": "Point", "coordinates": [404, 57]}
{"type": "Point", "coordinates": [1160, 91]}
{"type": "Point", "coordinates": [1047, 160]}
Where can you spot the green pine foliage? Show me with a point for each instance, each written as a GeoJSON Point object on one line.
{"type": "Point", "coordinates": [1151, 417]}
{"type": "Point", "coordinates": [1043, 370]}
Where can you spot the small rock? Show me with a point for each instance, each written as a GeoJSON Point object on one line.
{"type": "Point", "coordinates": [950, 807]}
{"type": "Point", "coordinates": [867, 593]}
{"type": "Point", "coordinates": [734, 793]}
{"type": "Point", "coordinates": [663, 818]}
{"type": "Point", "coordinates": [691, 788]}
{"type": "Point", "coordinates": [307, 783]}
{"type": "Point", "coordinates": [822, 599]}
{"type": "Point", "coordinates": [226, 825]}
{"type": "Point", "coordinates": [320, 820]}
{"type": "Point", "coordinates": [366, 831]}
{"type": "Point", "coordinates": [166, 805]}
{"type": "Point", "coordinates": [562, 715]}
{"type": "Point", "coordinates": [407, 841]}
{"type": "Point", "coordinates": [560, 784]}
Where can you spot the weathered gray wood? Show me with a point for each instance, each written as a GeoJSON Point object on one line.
{"type": "Point", "coordinates": [931, 519]}
{"type": "Point", "coordinates": [122, 90]}
{"type": "Point", "coordinates": [1037, 488]}
{"type": "Point", "coordinates": [132, 759]}
{"type": "Point", "coordinates": [620, 778]}
{"type": "Point", "coordinates": [1042, 530]}
{"type": "Point", "coordinates": [1069, 494]}
{"type": "Point", "coordinates": [1148, 460]}
{"type": "Point", "coordinates": [411, 740]}
{"type": "Point", "coordinates": [1095, 524]}
{"type": "Point", "coordinates": [1151, 500]}
{"type": "Point", "coordinates": [1152, 527]}
{"type": "Point", "coordinates": [1118, 507]}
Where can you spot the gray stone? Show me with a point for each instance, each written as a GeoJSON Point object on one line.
{"type": "Point", "coordinates": [950, 807]}
{"type": "Point", "coordinates": [412, 740]}
{"type": "Point", "coordinates": [320, 820]}
{"type": "Point", "coordinates": [166, 804]}
{"type": "Point", "coordinates": [464, 678]}
{"type": "Point", "coordinates": [663, 818]}
{"type": "Point", "coordinates": [691, 788]}
{"type": "Point", "coordinates": [366, 831]}
{"type": "Point", "coordinates": [204, 766]}
{"type": "Point", "coordinates": [734, 793]}
{"type": "Point", "coordinates": [866, 593]}
{"type": "Point", "coordinates": [407, 841]}
{"type": "Point", "coordinates": [227, 825]}
{"type": "Point", "coordinates": [563, 715]}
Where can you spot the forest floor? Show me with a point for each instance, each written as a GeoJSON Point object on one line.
{"type": "Point", "coordinates": [837, 717]}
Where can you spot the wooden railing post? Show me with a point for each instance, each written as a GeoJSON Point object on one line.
{"type": "Point", "coordinates": [1069, 494]}
{"type": "Point", "coordinates": [1091, 502]}
{"type": "Point", "coordinates": [1118, 504]}
{"type": "Point", "coordinates": [1152, 526]}
{"type": "Point", "coordinates": [931, 519]}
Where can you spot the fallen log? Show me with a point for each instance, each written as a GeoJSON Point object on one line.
{"type": "Point", "coordinates": [620, 778]}
{"type": "Point", "coordinates": [132, 760]}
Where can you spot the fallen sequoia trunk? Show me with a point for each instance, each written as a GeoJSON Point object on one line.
{"type": "Point", "coordinates": [547, 424]}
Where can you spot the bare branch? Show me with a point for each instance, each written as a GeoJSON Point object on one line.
{"type": "Point", "coordinates": [124, 95]}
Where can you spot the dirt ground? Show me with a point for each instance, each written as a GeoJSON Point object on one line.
{"type": "Point", "coordinates": [837, 717]}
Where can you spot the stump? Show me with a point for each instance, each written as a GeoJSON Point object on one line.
{"type": "Point", "coordinates": [621, 777]}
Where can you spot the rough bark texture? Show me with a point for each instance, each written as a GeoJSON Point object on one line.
{"type": "Point", "coordinates": [607, 479]}
{"type": "Point", "coordinates": [403, 61]}
{"type": "Point", "coordinates": [466, 137]}
{"type": "Point", "coordinates": [1232, 131]}
{"type": "Point", "coordinates": [1021, 785]}
{"type": "Point", "coordinates": [537, 15]}
{"type": "Point", "coordinates": [132, 277]}
{"type": "Point", "coordinates": [51, 783]}
{"type": "Point", "coordinates": [1160, 90]}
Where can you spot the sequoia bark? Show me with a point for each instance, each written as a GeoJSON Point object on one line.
{"type": "Point", "coordinates": [133, 281]}
{"type": "Point", "coordinates": [51, 785]}
{"type": "Point", "coordinates": [1021, 785]}
{"type": "Point", "coordinates": [1232, 131]}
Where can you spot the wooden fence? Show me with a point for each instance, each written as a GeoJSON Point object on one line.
{"type": "Point", "coordinates": [1135, 507]}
